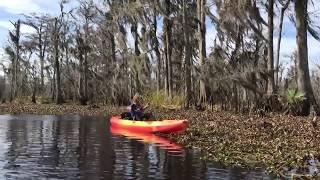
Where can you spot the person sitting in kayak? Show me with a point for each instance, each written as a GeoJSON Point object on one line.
{"type": "Point", "coordinates": [137, 109]}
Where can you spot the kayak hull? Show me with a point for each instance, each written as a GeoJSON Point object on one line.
{"type": "Point", "coordinates": [163, 126]}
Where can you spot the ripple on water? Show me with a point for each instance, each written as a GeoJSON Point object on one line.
{"type": "Point", "coordinates": [75, 147]}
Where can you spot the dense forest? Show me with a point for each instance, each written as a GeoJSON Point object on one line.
{"type": "Point", "coordinates": [84, 54]}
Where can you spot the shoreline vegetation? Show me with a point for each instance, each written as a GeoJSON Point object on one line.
{"type": "Point", "coordinates": [276, 142]}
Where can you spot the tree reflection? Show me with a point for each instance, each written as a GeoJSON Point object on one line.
{"type": "Point", "coordinates": [73, 147]}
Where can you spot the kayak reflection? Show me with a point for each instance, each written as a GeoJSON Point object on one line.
{"type": "Point", "coordinates": [160, 142]}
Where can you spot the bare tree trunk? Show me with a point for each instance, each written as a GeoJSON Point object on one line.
{"type": "Point", "coordinates": [187, 55]}
{"type": "Point", "coordinates": [69, 87]}
{"type": "Point", "coordinates": [59, 99]}
{"type": "Point", "coordinates": [3, 89]}
{"type": "Point", "coordinates": [270, 66]}
{"type": "Point", "coordinates": [168, 50]}
{"type": "Point", "coordinates": [69, 94]}
{"type": "Point", "coordinates": [202, 47]}
{"type": "Point", "coordinates": [137, 82]}
{"type": "Point", "coordinates": [166, 72]}
{"type": "Point", "coordinates": [134, 30]}
{"type": "Point", "coordinates": [53, 85]}
{"type": "Point", "coordinates": [33, 97]}
{"type": "Point", "coordinates": [34, 88]}
{"type": "Point", "coordinates": [113, 53]}
{"type": "Point", "coordinates": [16, 68]}
{"type": "Point", "coordinates": [130, 86]}
{"type": "Point", "coordinates": [85, 62]}
{"type": "Point", "coordinates": [235, 98]}
{"type": "Point", "coordinates": [170, 78]}
{"type": "Point", "coordinates": [156, 48]}
{"type": "Point", "coordinates": [85, 65]}
{"type": "Point", "coordinates": [41, 71]}
{"type": "Point", "coordinates": [81, 91]}
{"type": "Point", "coordinates": [303, 76]}
{"type": "Point", "coordinates": [42, 48]}
{"type": "Point", "coordinates": [15, 38]}
{"type": "Point", "coordinates": [283, 9]}
{"type": "Point", "coordinates": [12, 83]}
{"type": "Point", "coordinates": [295, 70]}
{"type": "Point", "coordinates": [81, 79]}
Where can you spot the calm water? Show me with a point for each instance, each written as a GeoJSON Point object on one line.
{"type": "Point", "coordinates": [74, 147]}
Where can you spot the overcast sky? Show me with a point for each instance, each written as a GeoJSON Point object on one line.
{"type": "Point", "coordinates": [12, 10]}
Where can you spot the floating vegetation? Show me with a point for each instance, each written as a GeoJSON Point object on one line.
{"type": "Point", "coordinates": [284, 145]}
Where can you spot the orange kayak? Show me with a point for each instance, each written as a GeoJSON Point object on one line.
{"type": "Point", "coordinates": [147, 138]}
{"type": "Point", "coordinates": [163, 126]}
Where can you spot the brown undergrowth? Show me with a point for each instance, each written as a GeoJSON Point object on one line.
{"type": "Point", "coordinates": [89, 110]}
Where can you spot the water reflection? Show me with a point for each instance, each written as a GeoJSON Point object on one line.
{"type": "Point", "coordinates": [149, 138]}
{"type": "Point", "coordinates": [74, 147]}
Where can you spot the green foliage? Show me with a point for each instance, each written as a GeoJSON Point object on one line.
{"type": "Point", "coordinates": [160, 99]}
{"type": "Point", "coordinates": [293, 96]}
{"type": "Point", "coordinates": [294, 100]}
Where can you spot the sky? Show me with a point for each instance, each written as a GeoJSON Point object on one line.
{"type": "Point", "coordinates": [11, 10]}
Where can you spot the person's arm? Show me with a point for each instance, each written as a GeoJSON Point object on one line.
{"type": "Point", "coordinates": [146, 106]}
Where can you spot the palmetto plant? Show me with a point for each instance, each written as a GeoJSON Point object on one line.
{"type": "Point", "coordinates": [294, 96]}
{"type": "Point", "coordinates": [294, 99]}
